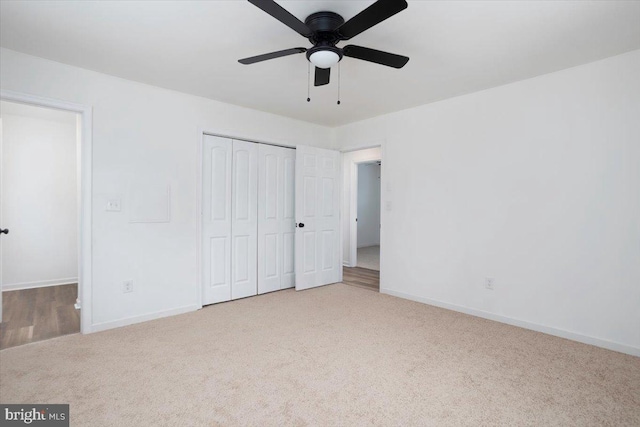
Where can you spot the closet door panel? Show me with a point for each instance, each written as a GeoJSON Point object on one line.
{"type": "Point", "coordinates": [216, 219]}
{"type": "Point", "coordinates": [276, 219]}
{"type": "Point", "coordinates": [244, 227]}
{"type": "Point", "coordinates": [288, 219]}
{"type": "Point", "coordinates": [318, 215]}
{"type": "Point", "coordinates": [269, 239]}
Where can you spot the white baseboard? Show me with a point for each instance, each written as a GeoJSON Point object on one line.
{"type": "Point", "coordinates": [97, 327]}
{"type": "Point", "coordinates": [39, 284]}
{"type": "Point", "coordinates": [598, 342]}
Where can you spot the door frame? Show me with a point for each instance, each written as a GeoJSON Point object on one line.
{"type": "Point", "coordinates": [353, 200]}
{"type": "Point", "coordinates": [202, 131]}
{"type": "Point", "coordinates": [84, 165]}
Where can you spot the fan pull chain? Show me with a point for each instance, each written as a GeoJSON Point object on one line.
{"type": "Point", "coordinates": [338, 83]}
{"type": "Point", "coordinates": [308, 81]}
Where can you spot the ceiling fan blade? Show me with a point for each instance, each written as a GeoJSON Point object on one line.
{"type": "Point", "coordinates": [373, 15]}
{"type": "Point", "coordinates": [272, 55]}
{"type": "Point", "coordinates": [282, 15]}
{"type": "Point", "coordinates": [377, 56]}
{"type": "Point", "coordinates": [322, 76]}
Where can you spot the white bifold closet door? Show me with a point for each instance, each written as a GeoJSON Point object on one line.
{"type": "Point", "coordinates": [229, 219]}
{"type": "Point", "coordinates": [244, 220]}
{"type": "Point", "coordinates": [217, 154]}
{"type": "Point", "coordinates": [276, 218]}
{"type": "Point", "coordinates": [252, 196]}
{"type": "Point", "coordinates": [317, 240]}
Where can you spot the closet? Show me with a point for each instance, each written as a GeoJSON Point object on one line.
{"type": "Point", "coordinates": [248, 218]}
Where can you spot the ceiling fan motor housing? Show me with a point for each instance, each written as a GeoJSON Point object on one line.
{"type": "Point", "coordinates": [324, 26]}
{"type": "Point", "coordinates": [325, 35]}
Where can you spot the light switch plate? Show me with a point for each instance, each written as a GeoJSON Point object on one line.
{"type": "Point", "coordinates": [127, 286]}
{"type": "Point", "coordinates": [113, 205]}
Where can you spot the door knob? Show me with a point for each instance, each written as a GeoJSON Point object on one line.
{"type": "Point", "coordinates": [301, 225]}
{"type": "Point", "coordinates": [5, 230]}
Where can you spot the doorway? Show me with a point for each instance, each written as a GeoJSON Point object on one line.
{"type": "Point", "coordinates": [368, 215]}
{"type": "Point", "coordinates": [39, 246]}
{"type": "Point", "coordinates": [361, 228]}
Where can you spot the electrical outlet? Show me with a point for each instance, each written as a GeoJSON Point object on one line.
{"type": "Point", "coordinates": [489, 283]}
{"type": "Point", "coordinates": [127, 286]}
{"type": "Point", "coordinates": [113, 205]}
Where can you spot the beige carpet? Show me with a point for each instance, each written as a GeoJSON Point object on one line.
{"type": "Point", "coordinates": [337, 355]}
{"type": "Point", "coordinates": [369, 257]}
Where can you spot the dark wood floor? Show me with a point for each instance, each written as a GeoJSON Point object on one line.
{"type": "Point", "coordinates": [30, 315]}
{"type": "Point", "coordinates": [361, 277]}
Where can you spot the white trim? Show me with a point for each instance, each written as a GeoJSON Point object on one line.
{"type": "Point", "coordinates": [340, 217]}
{"type": "Point", "coordinates": [385, 194]}
{"type": "Point", "coordinates": [97, 327]}
{"type": "Point", "coordinates": [353, 213]}
{"type": "Point", "coordinates": [39, 284]}
{"type": "Point", "coordinates": [363, 146]}
{"type": "Point", "coordinates": [84, 193]}
{"type": "Point", "coordinates": [246, 138]}
{"type": "Point", "coordinates": [574, 336]}
{"type": "Point", "coordinates": [199, 158]}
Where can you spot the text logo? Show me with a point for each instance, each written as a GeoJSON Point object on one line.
{"type": "Point", "coordinates": [35, 415]}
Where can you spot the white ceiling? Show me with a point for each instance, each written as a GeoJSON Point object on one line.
{"type": "Point", "coordinates": [455, 47]}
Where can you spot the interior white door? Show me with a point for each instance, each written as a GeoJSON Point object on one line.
{"type": "Point", "coordinates": [216, 219]}
{"type": "Point", "coordinates": [276, 220]}
{"type": "Point", "coordinates": [244, 225]}
{"type": "Point", "coordinates": [1, 223]}
{"type": "Point", "coordinates": [317, 200]}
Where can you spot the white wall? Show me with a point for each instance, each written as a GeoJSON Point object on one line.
{"type": "Point", "coordinates": [350, 161]}
{"type": "Point", "coordinates": [368, 204]}
{"type": "Point", "coordinates": [145, 136]}
{"type": "Point", "coordinates": [535, 184]}
{"type": "Point", "coordinates": [39, 200]}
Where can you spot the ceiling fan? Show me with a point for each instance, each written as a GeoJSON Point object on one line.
{"type": "Point", "coordinates": [325, 29]}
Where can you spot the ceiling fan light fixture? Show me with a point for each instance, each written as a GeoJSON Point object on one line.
{"type": "Point", "coordinates": [325, 29]}
{"type": "Point", "coordinates": [324, 56]}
